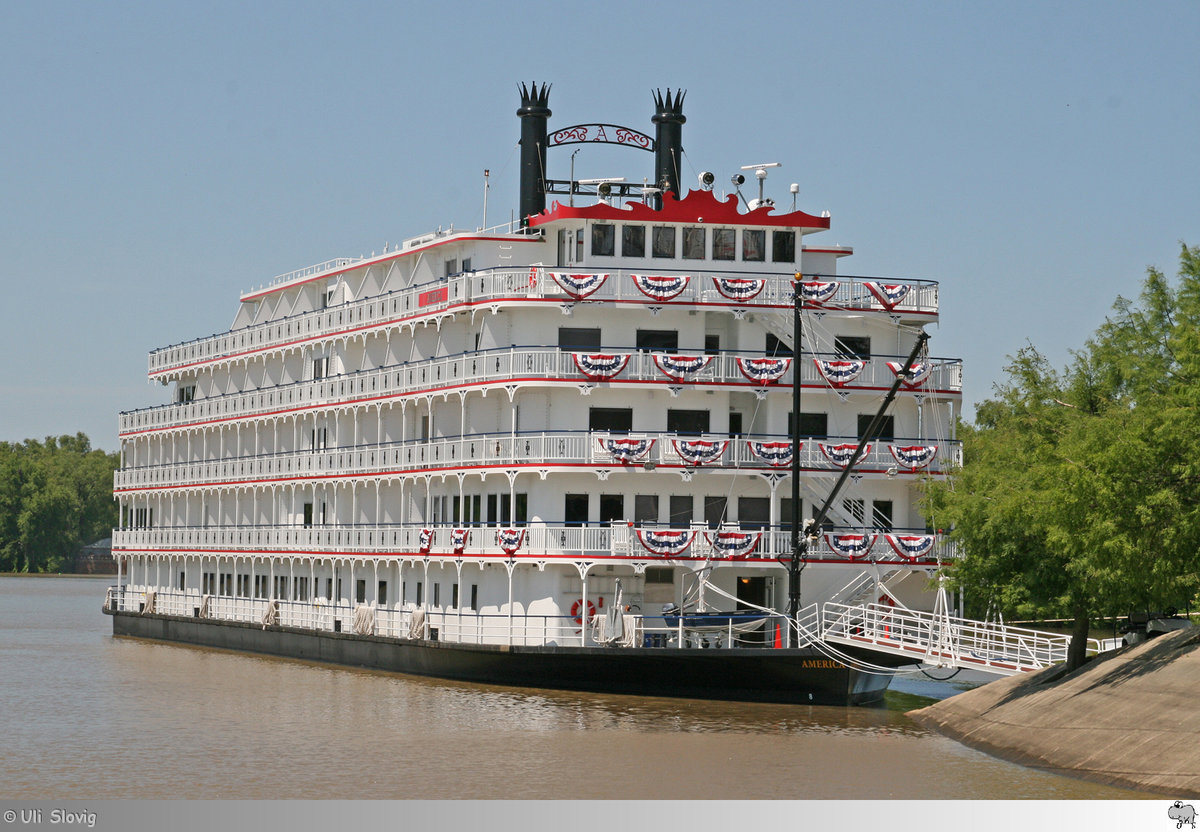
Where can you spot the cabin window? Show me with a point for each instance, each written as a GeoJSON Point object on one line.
{"type": "Point", "coordinates": [754, 244]}
{"type": "Point", "coordinates": [613, 419]}
{"type": "Point", "coordinates": [645, 508]}
{"type": "Point", "coordinates": [320, 368]}
{"type": "Point", "coordinates": [785, 514]}
{"type": "Point", "coordinates": [604, 240]}
{"type": "Point", "coordinates": [783, 246]}
{"type": "Point", "coordinates": [437, 595]}
{"type": "Point", "coordinates": [454, 596]}
{"type": "Point", "coordinates": [775, 347]}
{"type": "Point", "coordinates": [466, 264]}
{"type": "Point", "coordinates": [612, 507]}
{"type": "Point", "coordinates": [420, 593]}
{"type": "Point", "coordinates": [320, 439]}
{"type": "Point", "coordinates": [886, 430]}
{"type": "Point", "coordinates": [679, 510]}
{"type": "Point", "coordinates": [660, 575]}
{"type": "Point", "coordinates": [811, 424]}
{"type": "Point", "coordinates": [633, 241]}
{"type": "Point", "coordinates": [714, 511]}
{"type": "Point", "coordinates": [687, 421]}
{"type": "Point", "coordinates": [693, 244]}
{"type": "Point", "coordinates": [474, 596]}
{"type": "Point", "coordinates": [186, 393]}
{"type": "Point", "coordinates": [181, 581]}
{"type": "Point", "coordinates": [735, 423]}
{"type": "Point", "coordinates": [207, 583]}
{"type": "Point", "coordinates": [712, 344]}
{"type": "Point", "coordinates": [300, 590]}
{"type": "Point", "coordinates": [664, 241]}
{"type": "Point", "coordinates": [854, 346]}
{"type": "Point", "coordinates": [657, 340]}
{"type": "Point", "coordinates": [381, 593]}
{"type": "Point", "coordinates": [451, 267]}
{"type": "Point", "coordinates": [575, 510]}
{"type": "Point", "coordinates": [243, 585]}
{"type": "Point", "coordinates": [881, 514]}
{"type": "Point", "coordinates": [521, 510]}
{"type": "Point", "coordinates": [724, 244]}
{"type": "Point", "coordinates": [578, 338]}
{"type": "Point", "coordinates": [754, 512]}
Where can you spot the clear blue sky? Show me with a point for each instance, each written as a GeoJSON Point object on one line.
{"type": "Point", "coordinates": [157, 159]}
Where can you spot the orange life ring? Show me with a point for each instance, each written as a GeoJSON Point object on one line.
{"type": "Point", "coordinates": [577, 606]}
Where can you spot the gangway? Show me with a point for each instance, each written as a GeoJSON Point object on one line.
{"type": "Point", "coordinates": [936, 638]}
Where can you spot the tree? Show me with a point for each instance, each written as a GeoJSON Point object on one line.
{"type": "Point", "coordinates": [1080, 490]}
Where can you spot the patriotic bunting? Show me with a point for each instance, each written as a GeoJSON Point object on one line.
{"type": "Point", "coordinates": [660, 287]}
{"type": "Point", "coordinates": [458, 540]}
{"type": "Point", "coordinates": [914, 456]}
{"type": "Point", "coordinates": [764, 370]}
{"type": "Point", "coordinates": [910, 546]}
{"type": "Point", "coordinates": [839, 373]}
{"type": "Point", "coordinates": [841, 454]}
{"type": "Point", "coordinates": [736, 545]}
{"type": "Point", "coordinates": [510, 540]}
{"type": "Point", "coordinates": [917, 373]}
{"type": "Point", "coordinates": [600, 366]}
{"type": "Point", "coordinates": [578, 286]}
{"type": "Point", "coordinates": [739, 288]}
{"type": "Point", "coordinates": [853, 546]}
{"type": "Point", "coordinates": [681, 367]}
{"type": "Point", "coordinates": [665, 543]}
{"type": "Point", "coordinates": [626, 451]}
{"type": "Point", "coordinates": [425, 541]}
{"type": "Point", "coordinates": [818, 292]}
{"type": "Point", "coordinates": [698, 451]}
{"type": "Point", "coordinates": [889, 294]}
{"type": "Point", "coordinates": [775, 454]}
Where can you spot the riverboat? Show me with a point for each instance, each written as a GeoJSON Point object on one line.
{"type": "Point", "coordinates": [570, 452]}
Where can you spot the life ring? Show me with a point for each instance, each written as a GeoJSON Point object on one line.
{"type": "Point", "coordinates": [577, 606]}
{"type": "Point", "coordinates": [886, 599]}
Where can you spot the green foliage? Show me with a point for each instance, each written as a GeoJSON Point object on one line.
{"type": "Point", "coordinates": [55, 496]}
{"type": "Point", "coordinates": [1080, 489]}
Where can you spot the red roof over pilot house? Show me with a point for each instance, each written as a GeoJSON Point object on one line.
{"type": "Point", "coordinates": [696, 207]}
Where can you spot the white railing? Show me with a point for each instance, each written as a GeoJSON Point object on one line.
{"type": "Point", "coordinates": [496, 368]}
{"type": "Point", "coordinates": [944, 640]}
{"type": "Point", "coordinates": [458, 626]}
{"type": "Point", "coordinates": [594, 541]}
{"type": "Point", "coordinates": [503, 450]}
{"type": "Point", "coordinates": [511, 285]}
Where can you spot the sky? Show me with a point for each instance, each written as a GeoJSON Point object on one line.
{"type": "Point", "coordinates": [159, 159]}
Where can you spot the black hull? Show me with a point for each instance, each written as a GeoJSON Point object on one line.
{"type": "Point", "coordinates": [797, 676]}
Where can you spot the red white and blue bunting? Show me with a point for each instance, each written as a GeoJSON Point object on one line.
{"type": "Point", "coordinates": [841, 454]}
{"type": "Point", "coordinates": [578, 286]}
{"type": "Point", "coordinates": [911, 546]}
{"type": "Point", "coordinates": [699, 451]}
{"type": "Point", "coordinates": [739, 288]}
{"type": "Point", "coordinates": [914, 456]}
{"type": "Point", "coordinates": [458, 540]}
{"type": "Point", "coordinates": [681, 367]}
{"type": "Point", "coordinates": [510, 540]}
{"type": "Point", "coordinates": [665, 543]}
{"type": "Point", "coordinates": [425, 541]}
{"type": "Point", "coordinates": [889, 294]}
{"type": "Point", "coordinates": [840, 373]}
{"type": "Point", "coordinates": [917, 373]}
{"type": "Point", "coordinates": [660, 287]}
{"type": "Point", "coordinates": [818, 292]}
{"type": "Point", "coordinates": [853, 545]}
{"type": "Point", "coordinates": [600, 366]}
{"type": "Point", "coordinates": [764, 370]}
{"type": "Point", "coordinates": [775, 454]}
{"type": "Point", "coordinates": [736, 545]}
{"type": "Point", "coordinates": [627, 451]}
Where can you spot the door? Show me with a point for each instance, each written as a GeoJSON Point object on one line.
{"type": "Point", "coordinates": [752, 592]}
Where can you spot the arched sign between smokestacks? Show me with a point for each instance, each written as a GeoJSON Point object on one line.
{"type": "Point", "coordinates": [603, 134]}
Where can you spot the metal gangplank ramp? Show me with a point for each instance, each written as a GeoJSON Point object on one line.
{"type": "Point", "coordinates": [936, 638]}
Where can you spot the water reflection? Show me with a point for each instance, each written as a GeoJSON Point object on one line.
{"type": "Point", "coordinates": [90, 715]}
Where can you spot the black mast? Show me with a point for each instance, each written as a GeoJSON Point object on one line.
{"type": "Point", "coordinates": [800, 544]}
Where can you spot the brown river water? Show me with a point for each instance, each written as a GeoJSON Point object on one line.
{"type": "Point", "coordinates": [87, 715]}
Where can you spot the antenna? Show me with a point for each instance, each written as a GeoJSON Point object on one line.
{"type": "Point", "coordinates": [760, 173]}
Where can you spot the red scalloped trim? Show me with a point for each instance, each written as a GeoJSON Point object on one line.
{"type": "Point", "coordinates": [696, 207]}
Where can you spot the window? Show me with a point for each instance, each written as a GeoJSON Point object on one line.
{"type": "Point", "coordinates": [575, 512]}
{"type": "Point", "coordinates": [521, 510]}
{"type": "Point", "coordinates": [612, 507]}
{"type": "Point", "coordinates": [714, 511]}
{"type": "Point", "coordinates": [261, 586]}
{"type": "Point", "coordinates": [649, 340]}
{"type": "Point", "coordinates": [693, 244]}
{"type": "Point", "coordinates": [300, 589]}
{"type": "Point", "coordinates": [783, 246]}
{"type": "Point", "coordinates": [735, 423]}
{"type": "Point", "coordinates": [226, 584]}
{"type": "Point", "coordinates": [724, 244]}
{"type": "Point", "coordinates": [881, 514]}
{"type": "Point", "coordinates": [437, 595]}
{"type": "Point", "coordinates": [185, 393]}
{"type": "Point", "coordinates": [687, 421]}
{"type": "Point", "coordinates": [360, 591]}
{"type": "Point", "coordinates": [474, 596]}
{"type": "Point", "coordinates": [604, 240]}
{"type": "Point", "coordinates": [454, 596]}
{"type": "Point", "coordinates": [633, 241]}
{"type": "Point", "coordinates": [754, 512]}
{"type": "Point", "coordinates": [451, 267]}
{"type": "Point", "coordinates": [854, 346]}
{"type": "Point", "coordinates": [664, 241]}
{"type": "Point", "coordinates": [181, 581]}
{"type": "Point", "coordinates": [712, 344]}
{"type": "Point", "coordinates": [420, 594]}
{"type": "Point", "coordinates": [754, 244]}
{"type": "Point", "coordinates": [381, 593]}
{"type": "Point", "coordinates": [320, 367]}
{"type": "Point", "coordinates": [660, 575]}
{"type": "Point", "coordinates": [777, 348]}
{"type": "Point", "coordinates": [320, 439]}
{"type": "Point", "coordinates": [811, 424]}
{"type": "Point", "coordinates": [578, 338]}
{"type": "Point", "coordinates": [679, 510]}
{"type": "Point", "coordinates": [208, 583]}
{"type": "Point", "coordinates": [615, 419]}
{"type": "Point", "coordinates": [886, 430]}
{"type": "Point", "coordinates": [243, 585]}
{"type": "Point", "coordinates": [645, 508]}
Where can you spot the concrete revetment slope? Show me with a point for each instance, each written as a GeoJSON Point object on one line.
{"type": "Point", "coordinates": [1131, 718]}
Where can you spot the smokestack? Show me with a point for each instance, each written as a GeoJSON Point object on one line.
{"type": "Point", "coordinates": [533, 114]}
{"type": "Point", "coordinates": [668, 141]}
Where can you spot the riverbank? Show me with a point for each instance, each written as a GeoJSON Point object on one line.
{"type": "Point", "coordinates": [1127, 719]}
